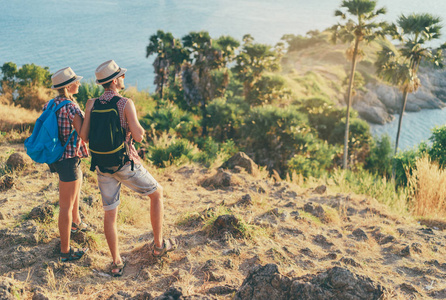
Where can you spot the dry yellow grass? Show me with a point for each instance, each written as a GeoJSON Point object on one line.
{"type": "Point", "coordinates": [427, 184]}
{"type": "Point", "coordinates": [14, 117]}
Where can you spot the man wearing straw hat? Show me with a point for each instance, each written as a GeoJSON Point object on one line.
{"type": "Point", "coordinates": [132, 174]}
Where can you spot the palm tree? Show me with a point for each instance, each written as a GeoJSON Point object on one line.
{"type": "Point", "coordinates": [169, 53]}
{"type": "Point", "coordinates": [361, 27]}
{"type": "Point", "coordinates": [400, 67]}
{"type": "Point", "coordinates": [205, 57]}
{"type": "Point", "coordinates": [253, 60]}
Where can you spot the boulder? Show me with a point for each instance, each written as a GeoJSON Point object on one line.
{"type": "Point", "coordinates": [6, 182]}
{"type": "Point", "coordinates": [266, 282]}
{"type": "Point", "coordinates": [18, 160]}
{"type": "Point", "coordinates": [242, 160]}
{"type": "Point", "coordinates": [43, 212]}
{"type": "Point", "coordinates": [222, 179]}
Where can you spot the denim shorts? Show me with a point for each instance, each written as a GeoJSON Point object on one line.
{"type": "Point", "coordinates": [68, 169]}
{"type": "Point", "coordinates": [139, 180]}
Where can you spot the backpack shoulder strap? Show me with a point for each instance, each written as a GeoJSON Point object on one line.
{"type": "Point", "coordinates": [115, 99]}
{"type": "Point", "coordinates": [62, 104]}
{"type": "Point", "coordinates": [50, 104]}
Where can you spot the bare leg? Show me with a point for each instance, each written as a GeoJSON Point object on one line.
{"type": "Point", "coordinates": [75, 214]}
{"type": "Point", "coordinates": [67, 195]}
{"type": "Point", "coordinates": [111, 234]}
{"type": "Point", "coordinates": [157, 215]}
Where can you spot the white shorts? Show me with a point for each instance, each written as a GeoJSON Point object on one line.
{"type": "Point", "coordinates": [138, 180]}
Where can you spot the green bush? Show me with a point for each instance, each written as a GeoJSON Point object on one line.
{"type": "Point", "coordinates": [437, 151]}
{"type": "Point", "coordinates": [224, 119]}
{"type": "Point", "coordinates": [380, 159]}
{"type": "Point", "coordinates": [323, 115]}
{"type": "Point", "coordinates": [405, 162]}
{"type": "Point", "coordinates": [318, 159]}
{"type": "Point", "coordinates": [211, 151]}
{"type": "Point", "coordinates": [175, 152]}
{"type": "Point", "coordinates": [88, 90]}
{"type": "Point", "coordinates": [273, 135]}
{"type": "Point", "coordinates": [171, 117]}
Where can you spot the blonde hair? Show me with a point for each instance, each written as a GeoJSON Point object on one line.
{"type": "Point", "coordinates": [63, 92]}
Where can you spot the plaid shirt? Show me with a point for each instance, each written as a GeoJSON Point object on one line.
{"type": "Point", "coordinates": [107, 96]}
{"type": "Point", "coordinates": [65, 117]}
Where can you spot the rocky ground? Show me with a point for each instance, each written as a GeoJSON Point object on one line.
{"type": "Point", "coordinates": [242, 235]}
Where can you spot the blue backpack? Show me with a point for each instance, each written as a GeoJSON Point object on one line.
{"type": "Point", "coordinates": [44, 146]}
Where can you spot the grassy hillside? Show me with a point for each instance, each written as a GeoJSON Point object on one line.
{"type": "Point", "coordinates": [320, 68]}
{"type": "Point", "coordinates": [304, 229]}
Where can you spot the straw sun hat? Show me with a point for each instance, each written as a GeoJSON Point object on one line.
{"type": "Point", "coordinates": [108, 71]}
{"type": "Point", "coordinates": [64, 77]}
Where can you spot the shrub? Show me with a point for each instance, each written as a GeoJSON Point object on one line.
{"type": "Point", "coordinates": [272, 136]}
{"type": "Point", "coordinates": [163, 119]}
{"type": "Point", "coordinates": [380, 159]}
{"type": "Point", "coordinates": [315, 161]}
{"type": "Point", "coordinates": [170, 150]}
{"type": "Point", "coordinates": [224, 119]}
{"type": "Point", "coordinates": [88, 90]}
{"type": "Point", "coordinates": [437, 152]}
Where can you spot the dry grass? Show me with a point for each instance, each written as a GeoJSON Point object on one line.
{"type": "Point", "coordinates": [427, 185]}
{"type": "Point", "coordinates": [18, 118]}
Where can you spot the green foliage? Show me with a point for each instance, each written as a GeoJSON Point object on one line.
{"type": "Point", "coordinates": [225, 118]}
{"type": "Point", "coordinates": [176, 151]}
{"type": "Point", "coordinates": [319, 158]}
{"type": "Point", "coordinates": [253, 60]}
{"type": "Point", "coordinates": [273, 135]}
{"type": "Point", "coordinates": [88, 90]}
{"type": "Point", "coordinates": [405, 162]}
{"type": "Point", "coordinates": [299, 42]}
{"type": "Point", "coordinates": [358, 142]}
{"type": "Point", "coordinates": [170, 117]}
{"type": "Point", "coordinates": [33, 75]}
{"type": "Point", "coordinates": [211, 151]}
{"type": "Point", "coordinates": [437, 151]}
{"type": "Point", "coordinates": [267, 90]}
{"type": "Point", "coordinates": [380, 159]}
{"type": "Point", "coordinates": [364, 183]}
{"type": "Point", "coordinates": [30, 82]}
{"type": "Point", "coordinates": [323, 115]}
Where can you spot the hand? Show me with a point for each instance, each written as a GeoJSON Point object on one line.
{"type": "Point", "coordinates": [89, 105]}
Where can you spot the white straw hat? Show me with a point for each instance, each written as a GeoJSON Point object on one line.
{"type": "Point", "coordinates": [64, 77]}
{"type": "Point", "coordinates": [108, 71]}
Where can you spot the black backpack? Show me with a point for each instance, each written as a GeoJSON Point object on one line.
{"type": "Point", "coordinates": [107, 137]}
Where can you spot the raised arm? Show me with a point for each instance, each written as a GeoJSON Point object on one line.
{"type": "Point", "coordinates": [136, 129]}
{"type": "Point", "coordinates": [85, 130]}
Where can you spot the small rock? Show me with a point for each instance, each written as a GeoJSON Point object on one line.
{"type": "Point", "coordinates": [320, 189]}
{"type": "Point", "coordinates": [18, 160]}
{"type": "Point", "coordinates": [222, 290]}
{"type": "Point", "coordinates": [417, 248]}
{"type": "Point", "coordinates": [350, 261]}
{"type": "Point", "coordinates": [244, 161]}
{"type": "Point", "coordinates": [405, 251]}
{"type": "Point", "coordinates": [146, 275]}
{"type": "Point", "coordinates": [6, 183]}
{"type": "Point", "coordinates": [44, 212]}
{"type": "Point", "coordinates": [245, 201]}
{"type": "Point", "coordinates": [360, 235]}
{"type": "Point", "coordinates": [228, 264]}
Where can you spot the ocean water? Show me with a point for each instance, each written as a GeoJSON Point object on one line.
{"type": "Point", "coordinates": [82, 34]}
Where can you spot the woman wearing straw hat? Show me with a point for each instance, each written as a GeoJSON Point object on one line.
{"type": "Point", "coordinates": [70, 116]}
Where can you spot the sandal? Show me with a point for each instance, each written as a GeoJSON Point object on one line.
{"type": "Point", "coordinates": [168, 246]}
{"type": "Point", "coordinates": [75, 228]}
{"type": "Point", "coordinates": [120, 267]}
{"type": "Point", "coordinates": [72, 254]}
